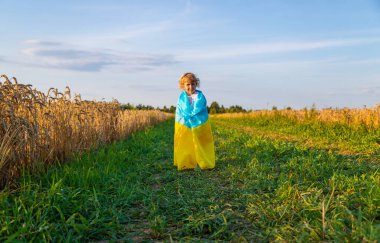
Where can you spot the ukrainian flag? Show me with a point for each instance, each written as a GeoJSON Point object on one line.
{"type": "Point", "coordinates": [193, 141]}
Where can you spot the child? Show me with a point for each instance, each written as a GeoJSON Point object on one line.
{"type": "Point", "coordinates": [193, 141]}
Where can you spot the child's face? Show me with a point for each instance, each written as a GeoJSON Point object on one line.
{"type": "Point", "coordinates": [189, 86]}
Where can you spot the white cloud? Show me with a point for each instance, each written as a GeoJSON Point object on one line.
{"type": "Point", "coordinates": [141, 30]}
{"type": "Point", "coordinates": [268, 48]}
{"type": "Point", "coordinates": [62, 56]}
{"type": "Point", "coordinates": [360, 91]}
{"type": "Point", "coordinates": [41, 42]}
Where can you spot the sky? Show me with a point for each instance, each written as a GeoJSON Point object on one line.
{"type": "Point", "coordinates": [256, 54]}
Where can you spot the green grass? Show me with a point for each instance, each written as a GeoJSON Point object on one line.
{"type": "Point", "coordinates": [262, 189]}
{"type": "Point", "coordinates": [337, 137]}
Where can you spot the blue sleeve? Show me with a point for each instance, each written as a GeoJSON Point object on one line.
{"type": "Point", "coordinates": [183, 106]}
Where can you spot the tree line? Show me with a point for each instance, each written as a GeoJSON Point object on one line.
{"type": "Point", "coordinates": [213, 108]}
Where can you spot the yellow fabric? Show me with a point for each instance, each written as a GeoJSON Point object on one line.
{"type": "Point", "coordinates": [194, 146]}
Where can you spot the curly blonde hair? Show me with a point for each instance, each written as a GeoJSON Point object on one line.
{"type": "Point", "coordinates": [188, 77]}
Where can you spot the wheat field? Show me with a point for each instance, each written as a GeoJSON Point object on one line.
{"type": "Point", "coordinates": [39, 129]}
{"type": "Point", "coordinates": [367, 118]}
{"type": "Point", "coordinates": [281, 175]}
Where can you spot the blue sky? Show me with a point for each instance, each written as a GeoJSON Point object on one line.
{"type": "Point", "coordinates": [256, 54]}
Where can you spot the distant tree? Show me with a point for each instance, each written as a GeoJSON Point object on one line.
{"type": "Point", "coordinates": [214, 108]}
{"type": "Point", "coordinates": [172, 109]}
{"type": "Point", "coordinates": [222, 109]}
{"type": "Point", "coordinates": [236, 108]}
{"type": "Point", "coordinates": [144, 107]}
{"type": "Point", "coordinates": [127, 106]}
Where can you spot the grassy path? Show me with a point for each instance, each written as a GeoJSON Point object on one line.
{"type": "Point", "coordinates": [263, 189]}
